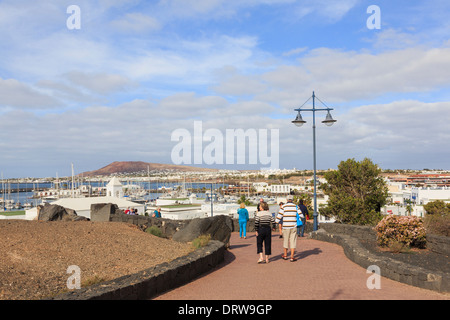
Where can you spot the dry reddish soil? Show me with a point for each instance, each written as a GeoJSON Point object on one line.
{"type": "Point", "coordinates": [35, 255]}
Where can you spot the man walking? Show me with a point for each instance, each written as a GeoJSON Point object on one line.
{"type": "Point", "coordinates": [304, 210]}
{"type": "Point", "coordinates": [288, 213]}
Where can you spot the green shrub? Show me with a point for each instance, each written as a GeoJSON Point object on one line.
{"type": "Point", "coordinates": [437, 207]}
{"type": "Point", "coordinates": [406, 230]}
{"type": "Point", "coordinates": [398, 247]}
{"type": "Point", "coordinates": [201, 241]}
{"type": "Point", "coordinates": [91, 281]}
{"type": "Point", "coordinates": [154, 230]}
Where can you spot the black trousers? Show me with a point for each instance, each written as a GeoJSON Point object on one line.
{"type": "Point", "coordinates": [264, 236]}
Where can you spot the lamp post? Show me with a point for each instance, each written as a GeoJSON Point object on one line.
{"type": "Point", "coordinates": [329, 121]}
{"type": "Point", "coordinates": [212, 205]}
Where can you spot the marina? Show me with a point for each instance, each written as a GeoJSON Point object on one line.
{"type": "Point", "coordinates": [176, 200]}
{"type": "Point", "coordinates": [180, 198]}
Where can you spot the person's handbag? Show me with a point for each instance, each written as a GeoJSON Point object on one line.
{"type": "Point", "coordinates": [299, 221]}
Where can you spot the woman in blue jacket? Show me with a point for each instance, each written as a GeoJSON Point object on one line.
{"type": "Point", "coordinates": [243, 219]}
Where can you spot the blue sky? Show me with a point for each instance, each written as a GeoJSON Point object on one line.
{"type": "Point", "coordinates": [136, 71]}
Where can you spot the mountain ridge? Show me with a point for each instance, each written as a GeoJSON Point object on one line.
{"type": "Point", "coordinates": [129, 167]}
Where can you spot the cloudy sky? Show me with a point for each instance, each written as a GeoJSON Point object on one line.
{"type": "Point", "coordinates": [114, 81]}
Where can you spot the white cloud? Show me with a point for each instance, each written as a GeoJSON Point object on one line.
{"type": "Point", "coordinates": [234, 84]}
{"type": "Point", "coordinates": [190, 62]}
{"type": "Point", "coordinates": [295, 51]}
{"type": "Point", "coordinates": [404, 133]}
{"type": "Point", "coordinates": [136, 23]}
{"type": "Point", "coordinates": [191, 7]}
{"type": "Point", "coordinates": [331, 11]}
{"type": "Point", "coordinates": [344, 75]}
{"type": "Point", "coordinates": [388, 39]}
{"type": "Point", "coordinates": [16, 94]}
{"type": "Point", "coordinates": [101, 83]}
{"type": "Point", "coordinates": [159, 65]}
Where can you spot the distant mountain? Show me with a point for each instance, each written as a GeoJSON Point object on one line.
{"type": "Point", "coordinates": [130, 167]}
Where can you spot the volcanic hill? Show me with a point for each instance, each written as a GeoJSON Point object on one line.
{"type": "Point", "coordinates": [130, 167]}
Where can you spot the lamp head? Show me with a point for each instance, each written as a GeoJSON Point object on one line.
{"type": "Point", "coordinates": [299, 120]}
{"type": "Point", "coordinates": [329, 121]}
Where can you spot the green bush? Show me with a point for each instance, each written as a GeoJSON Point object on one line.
{"type": "Point", "coordinates": [154, 230]}
{"type": "Point", "coordinates": [437, 207]}
{"type": "Point", "coordinates": [406, 230]}
{"type": "Point", "coordinates": [201, 241]}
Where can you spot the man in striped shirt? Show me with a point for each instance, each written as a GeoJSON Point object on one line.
{"type": "Point", "coordinates": [288, 212]}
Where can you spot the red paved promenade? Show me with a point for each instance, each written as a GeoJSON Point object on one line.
{"type": "Point", "coordinates": [322, 271]}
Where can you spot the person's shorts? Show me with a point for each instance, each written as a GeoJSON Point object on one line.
{"type": "Point", "coordinates": [290, 238]}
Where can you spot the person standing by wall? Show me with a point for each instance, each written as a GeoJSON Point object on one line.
{"type": "Point", "coordinates": [243, 219]}
{"type": "Point", "coordinates": [157, 213]}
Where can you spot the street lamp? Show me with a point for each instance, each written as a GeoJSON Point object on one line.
{"type": "Point", "coordinates": [329, 121]}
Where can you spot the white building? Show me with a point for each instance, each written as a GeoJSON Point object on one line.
{"type": "Point", "coordinates": [398, 193]}
{"type": "Point", "coordinates": [398, 210]}
{"type": "Point", "coordinates": [260, 186]}
{"type": "Point", "coordinates": [280, 188]}
{"type": "Point", "coordinates": [82, 206]}
{"type": "Point", "coordinates": [114, 188]}
{"type": "Point", "coordinates": [424, 195]}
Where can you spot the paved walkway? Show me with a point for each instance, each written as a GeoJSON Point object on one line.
{"type": "Point", "coordinates": [322, 271]}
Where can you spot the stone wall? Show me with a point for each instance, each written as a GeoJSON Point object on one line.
{"type": "Point", "coordinates": [347, 236]}
{"type": "Point", "coordinates": [439, 244]}
{"type": "Point", "coordinates": [153, 281]}
{"type": "Point", "coordinates": [110, 212]}
{"type": "Point", "coordinates": [163, 277]}
{"type": "Point", "coordinates": [360, 232]}
{"type": "Point", "coordinates": [167, 226]}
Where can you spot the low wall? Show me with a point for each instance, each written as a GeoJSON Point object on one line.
{"type": "Point", "coordinates": [167, 226]}
{"type": "Point", "coordinates": [360, 232]}
{"type": "Point", "coordinates": [435, 243]}
{"type": "Point", "coordinates": [439, 244]}
{"type": "Point", "coordinates": [153, 281]}
{"type": "Point", "coordinates": [108, 212]}
{"type": "Point", "coordinates": [347, 236]}
{"type": "Point", "coordinates": [158, 279]}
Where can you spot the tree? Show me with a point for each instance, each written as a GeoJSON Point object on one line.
{"type": "Point", "coordinates": [356, 192]}
{"type": "Point", "coordinates": [437, 207]}
{"type": "Point", "coordinates": [307, 201]}
{"type": "Point", "coordinates": [244, 200]}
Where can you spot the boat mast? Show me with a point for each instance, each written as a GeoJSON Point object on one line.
{"type": "Point", "coordinates": [73, 191]}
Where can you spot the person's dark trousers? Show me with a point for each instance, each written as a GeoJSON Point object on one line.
{"type": "Point", "coordinates": [301, 230]}
{"type": "Point", "coordinates": [264, 236]}
{"type": "Point", "coordinates": [303, 226]}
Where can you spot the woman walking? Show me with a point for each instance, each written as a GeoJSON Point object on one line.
{"type": "Point", "coordinates": [243, 219]}
{"type": "Point", "coordinates": [263, 226]}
